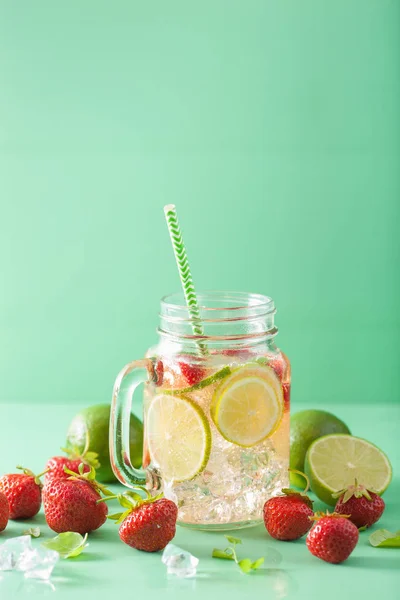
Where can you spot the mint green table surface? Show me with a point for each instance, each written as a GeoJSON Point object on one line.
{"type": "Point", "coordinates": [110, 569]}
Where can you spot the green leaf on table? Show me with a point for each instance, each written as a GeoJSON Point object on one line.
{"type": "Point", "coordinates": [233, 540]}
{"type": "Point", "coordinates": [222, 554]}
{"type": "Point", "coordinates": [245, 565]}
{"type": "Point", "coordinates": [68, 544]}
{"type": "Point", "coordinates": [32, 531]}
{"type": "Point", "coordinates": [257, 563]}
{"type": "Point", "coordinates": [382, 538]}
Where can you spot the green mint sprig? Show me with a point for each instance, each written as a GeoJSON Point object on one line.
{"type": "Point", "coordinates": [245, 564]}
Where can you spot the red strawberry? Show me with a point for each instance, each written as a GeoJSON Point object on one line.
{"type": "Point", "coordinates": [4, 512]}
{"type": "Point", "coordinates": [192, 373]}
{"type": "Point", "coordinates": [75, 456]}
{"type": "Point", "coordinates": [288, 517]}
{"type": "Point", "coordinates": [363, 507]}
{"type": "Point", "coordinates": [147, 525]}
{"type": "Point", "coordinates": [277, 365]}
{"type": "Point", "coordinates": [332, 538]}
{"type": "Point", "coordinates": [72, 504]}
{"type": "Point", "coordinates": [242, 353]}
{"type": "Point", "coordinates": [23, 492]}
{"type": "Point", "coordinates": [56, 466]}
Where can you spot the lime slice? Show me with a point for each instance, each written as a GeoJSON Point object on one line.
{"type": "Point", "coordinates": [203, 383]}
{"type": "Point", "coordinates": [248, 406]}
{"type": "Point", "coordinates": [334, 461]}
{"type": "Point", "coordinates": [178, 437]}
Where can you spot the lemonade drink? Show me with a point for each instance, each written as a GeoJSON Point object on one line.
{"type": "Point", "coordinates": [217, 423]}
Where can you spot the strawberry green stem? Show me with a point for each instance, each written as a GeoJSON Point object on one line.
{"type": "Point", "coordinates": [32, 474]}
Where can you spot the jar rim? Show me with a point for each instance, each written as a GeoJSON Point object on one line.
{"type": "Point", "coordinates": [224, 300]}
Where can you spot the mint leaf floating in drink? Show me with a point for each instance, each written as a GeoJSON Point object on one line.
{"type": "Point", "coordinates": [32, 531]}
{"type": "Point", "coordinates": [68, 544]}
{"type": "Point", "coordinates": [245, 564]}
{"type": "Point", "coordinates": [382, 538]}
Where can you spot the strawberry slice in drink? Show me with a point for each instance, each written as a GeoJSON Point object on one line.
{"type": "Point", "coordinates": [192, 373]}
{"type": "Point", "coordinates": [286, 395]}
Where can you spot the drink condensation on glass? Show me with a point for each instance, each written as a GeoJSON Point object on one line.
{"type": "Point", "coordinates": [216, 411]}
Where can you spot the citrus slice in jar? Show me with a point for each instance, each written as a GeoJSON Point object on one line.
{"type": "Point", "coordinates": [178, 437]}
{"type": "Point", "coordinates": [248, 406]}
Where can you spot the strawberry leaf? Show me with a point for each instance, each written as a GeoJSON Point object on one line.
{"type": "Point", "coordinates": [115, 516]}
{"type": "Point", "coordinates": [32, 531]}
{"type": "Point", "coordinates": [125, 502]}
{"type": "Point", "coordinates": [68, 544]}
{"type": "Point", "coordinates": [382, 538]}
{"type": "Point", "coordinates": [136, 497]}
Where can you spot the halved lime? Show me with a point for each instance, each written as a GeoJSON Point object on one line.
{"type": "Point", "coordinates": [305, 427]}
{"type": "Point", "coordinates": [334, 461]}
{"type": "Point", "coordinates": [178, 437]}
{"type": "Point", "coordinates": [248, 406]}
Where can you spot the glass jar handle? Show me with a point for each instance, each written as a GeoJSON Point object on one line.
{"type": "Point", "coordinates": [132, 375]}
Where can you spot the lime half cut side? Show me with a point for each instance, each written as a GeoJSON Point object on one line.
{"type": "Point", "coordinates": [334, 461]}
{"type": "Point", "coordinates": [178, 437]}
{"type": "Point", "coordinates": [248, 406]}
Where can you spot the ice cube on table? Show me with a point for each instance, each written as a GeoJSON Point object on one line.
{"type": "Point", "coordinates": [179, 562]}
{"type": "Point", "coordinates": [38, 563]}
{"type": "Point", "coordinates": [12, 550]}
{"type": "Point", "coordinates": [17, 554]}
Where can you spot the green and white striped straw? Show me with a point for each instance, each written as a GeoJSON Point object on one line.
{"type": "Point", "coordinates": [184, 272]}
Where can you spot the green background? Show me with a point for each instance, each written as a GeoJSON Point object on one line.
{"type": "Point", "coordinates": [274, 128]}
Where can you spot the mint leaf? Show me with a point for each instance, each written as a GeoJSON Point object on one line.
{"type": "Point", "coordinates": [245, 565]}
{"type": "Point", "coordinates": [222, 554]}
{"type": "Point", "coordinates": [32, 531]}
{"type": "Point", "coordinates": [233, 540]}
{"type": "Point", "coordinates": [68, 544]}
{"type": "Point", "coordinates": [382, 538]}
{"type": "Point", "coordinates": [257, 563]}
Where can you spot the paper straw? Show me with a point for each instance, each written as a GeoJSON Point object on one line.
{"type": "Point", "coordinates": [184, 272]}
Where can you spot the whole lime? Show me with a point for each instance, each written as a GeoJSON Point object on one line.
{"type": "Point", "coordinates": [95, 421]}
{"type": "Point", "coordinates": [305, 427]}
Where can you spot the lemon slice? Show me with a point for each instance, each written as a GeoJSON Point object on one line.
{"type": "Point", "coordinates": [334, 461]}
{"type": "Point", "coordinates": [248, 406]}
{"type": "Point", "coordinates": [178, 437]}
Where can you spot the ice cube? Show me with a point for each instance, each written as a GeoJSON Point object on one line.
{"type": "Point", "coordinates": [12, 550]}
{"type": "Point", "coordinates": [38, 563]}
{"type": "Point", "coordinates": [6, 559]}
{"type": "Point", "coordinates": [179, 562]}
{"type": "Point", "coordinates": [168, 491]}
